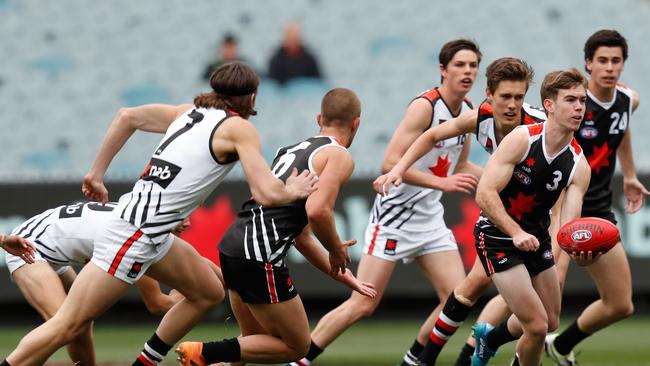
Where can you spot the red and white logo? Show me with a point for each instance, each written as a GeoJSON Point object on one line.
{"type": "Point", "coordinates": [581, 236]}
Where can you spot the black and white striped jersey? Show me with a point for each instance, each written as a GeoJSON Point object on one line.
{"type": "Point", "coordinates": [181, 174]}
{"type": "Point", "coordinates": [64, 235]}
{"type": "Point", "coordinates": [418, 209]}
{"type": "Point", "coordinates": [265, 234]}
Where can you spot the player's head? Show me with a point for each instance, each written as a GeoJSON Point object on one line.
{"type": "Point", "coordinates": [234, 86]}
{"type": "Point", "coordinates": [341, 109]}
{"type": "Point", "coordinates": [508, 80]}
{"type": "Point", "coordinates": [563, 96]}
{"type": "Point", "coordinates": [459, 60]}
{"type": "Point", "coordinates": [605, 55]}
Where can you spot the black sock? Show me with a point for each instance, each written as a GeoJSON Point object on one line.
{"type": "Point", "coordinates": [314, 351]}
{"type": "Point", "coordinates": [450, 318]}
{"type": "Point", "coordinates": [465, 356]}
{"type": "Point", "coordinates": [499, 335]}
{"type": "Point", "coordinates": [153, 352]}
{"type": "Point", "coordinates": [226, 350]}
{"type": "Point", "coordinates": [515, 362]}
{"type": "Point", "coordinates": [5, 363]}
{"type": "Point", "coordinates": [568, 339]}
{"type": "Point", "coordinates": [411, 356]}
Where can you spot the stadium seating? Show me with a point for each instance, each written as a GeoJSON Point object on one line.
{"type": "Point", "coordinates": [68, 67]}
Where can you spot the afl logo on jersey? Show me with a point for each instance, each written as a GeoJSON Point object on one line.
{"type": "Point", "coordinates": [160, 172]}
{"type": "Point", "coordinates": [522, 177]}
{"type": "Point", "coordinates": [589, 132]}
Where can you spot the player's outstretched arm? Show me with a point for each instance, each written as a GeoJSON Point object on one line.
{"type": "Point", "coordinates": [409, 144]}
{"type": "Point", "coordinates": [334, 167]}
{"type": "Point", "coordinates": [150, 118]}
{"type": "Point", "coordinates": [496, 176]}
{"type": "Point", "coordinates": [307, 246]}
{"type": "Point", "coordinates": [240, 137]}
{"type": "Point", "coordinates": [634, 190]}
{"type": "Point", "coordinates": [18, 246]}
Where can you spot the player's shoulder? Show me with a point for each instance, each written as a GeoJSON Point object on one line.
{"type": "Point", "coordinates": [575, 147]}
{"type": "Point", "coordinates": [532, 114]}
{"type": "Point", "coordinates": [622, 88]}
{"type": "Point", "coordinates": [485, 110]}
{"type": "Point", "coordinates": [432, 95]}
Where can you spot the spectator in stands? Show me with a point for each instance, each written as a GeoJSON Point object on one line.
{"type": "Point", "coordinates": [228, 51]}
{"type": "Point", "coordinates": [292, 59]}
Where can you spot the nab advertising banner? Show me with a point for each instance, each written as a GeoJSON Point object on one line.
{"type": "Point", "coordinates": [210, 221]}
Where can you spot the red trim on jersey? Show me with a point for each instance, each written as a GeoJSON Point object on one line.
{"type": "Point", "coordinates": [120, 254]}
{"type": "Point", "coordinates": [485, 108]}
{"type": "Point", "coordinates": [448, 327]}
{"type": "Point", "coordinates": [576, 146]}
{"type": "Point", "coordinates": [487, 259]}
{"type": "Point", "coordinates": [528, 120]}
{"type": "Point", "coordinates": [623, 86]}
{"type": "Point", "coordinates": [433, 337]}
{"type": "Point", "coordinates": [535, 129]}
{"type": "Point", "coordinates": [145, 361]}
{"type": "Point", "coordinates": [431, 94]}
{"type": "Point", "coordinates": [300, 363]}
{"type": "Point", "coordinates": [271, 282]}
{"type": "Point", "coordinates": [374, 238]}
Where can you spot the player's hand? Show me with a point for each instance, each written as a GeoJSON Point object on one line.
{"type": "Point", "coordinates": [383, 182]}
{"type": "Point", "coordinates": [93, 188]}
{"type": "Point", "coordinates": [364, 288]}
{"type": "Point", "coordinates": [461, 182]}
{"type": "Point", "coordinates": [585, 258]}
{"type": "Point", "coordinates": [634, 192]}
{"type": "Point", "coordinates": [525, 242]}
{"type": "Point", "coordinates": [301, 185]}
{"type": "Point", "coordinates": [339, 258]}
{"type": "Point", "coordinates": [18, 246]}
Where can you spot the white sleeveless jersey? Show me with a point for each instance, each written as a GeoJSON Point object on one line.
{"type": "Point", "coordinates": [485, 123]}
{"type": "Point", "coordinates": [64, 235]}
{"type": "Point", "coordinates": [182, 172]}
{"type": "Point", "coordinates": [413, 208]}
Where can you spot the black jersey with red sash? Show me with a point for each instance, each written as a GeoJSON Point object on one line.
{"type": "Point", "coordinates": [486, 129]}
{"type": "Point", "coordinates": [536, 183]}
{"type": "Point", "coordinates": [600, 134]}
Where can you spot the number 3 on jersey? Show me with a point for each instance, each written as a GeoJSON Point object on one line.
{"type": "Point", "coordinates": [285, 161]}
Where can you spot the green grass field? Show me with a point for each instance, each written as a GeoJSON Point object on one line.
{"type": "Point", "coordinates": [372, 342]}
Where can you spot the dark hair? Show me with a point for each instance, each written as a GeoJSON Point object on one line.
{"type": "Point", "coordinates": [508, 68]}
{"type": "Point", "coordinates": [605, 38]}
{"type": "Point", "coordinates": [340, 106]}
{"type": "Point", "coordinates": [232, 85]}
{"type": "Point", "coordinates": [558, 80]}
{"type": "Point", "coordinates": [449, 50]}
{"type": "Point", "coordinates": [229, 38]}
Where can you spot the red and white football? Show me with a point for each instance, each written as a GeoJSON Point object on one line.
{"type": "Point", "coordinates": [588, 234]}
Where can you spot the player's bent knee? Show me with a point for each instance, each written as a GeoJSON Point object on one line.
{"type": "Point", "coordinates": [622, 310]}
{"type": "Point", "coordinates": [365, 308]}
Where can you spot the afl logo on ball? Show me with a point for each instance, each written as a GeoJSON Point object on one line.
{"type": "Point", "coordinates": [588, 132]}
{"type": "Point", "coordinates": [581, 236]}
